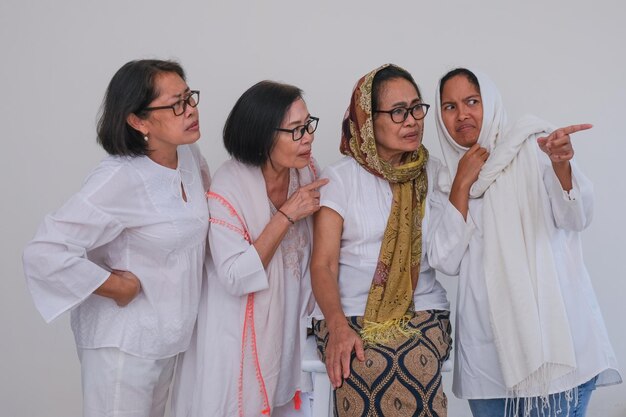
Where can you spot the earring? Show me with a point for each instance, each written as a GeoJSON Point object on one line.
{"type": "Point", "coordinates": [145, 137]}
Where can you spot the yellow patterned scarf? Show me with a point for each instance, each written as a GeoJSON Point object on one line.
{"type": "Point", "coordinates": [390, 300]}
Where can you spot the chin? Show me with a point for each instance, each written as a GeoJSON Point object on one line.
{"type": "Point", "coordinates": [192, 138]}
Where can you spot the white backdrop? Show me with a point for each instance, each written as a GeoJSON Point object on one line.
{"type": "Point", "coordinates": [564, 62]}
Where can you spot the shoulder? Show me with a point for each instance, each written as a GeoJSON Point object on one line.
{"type": "Point", "coordinates": [343, 167]}
{"type": "Point", "coordinates": [233, 173]}
{"type": "Point", "coordinates": [433, 165]}
{"type": "Point", "coordinates": [114, 170]}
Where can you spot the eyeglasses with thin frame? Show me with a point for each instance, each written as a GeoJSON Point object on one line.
{"type": "Point", "coordinates": [179, 108]}
{"type": "Point", "coordinates": [399, 114]}
{"type": "Point", "coordinates": [297, 132]}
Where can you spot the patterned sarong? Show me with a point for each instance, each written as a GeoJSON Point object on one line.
{"type": "Point", "coordinates": [400, 378]}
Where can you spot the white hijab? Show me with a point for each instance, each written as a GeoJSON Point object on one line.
{"type": "Point", "coordinates": [528, 317]}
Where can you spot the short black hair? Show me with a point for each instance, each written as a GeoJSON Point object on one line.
{"type": "Point", "coordinates": [471, 77]}
{"type": "Point", "coordinates": [389, 73]}
{"type": "Point", "coordinates": [132, 88]}
{"type": "Point", "coordinates": [250, 130]}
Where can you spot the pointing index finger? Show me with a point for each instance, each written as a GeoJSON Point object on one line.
{"type": "Point", "coordinates": [316, 184]}
{"type": "Point", "coordinates": [568, 130]}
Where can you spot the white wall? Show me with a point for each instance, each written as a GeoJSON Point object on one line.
{"type": "Point", "coordinates": [563, 62]}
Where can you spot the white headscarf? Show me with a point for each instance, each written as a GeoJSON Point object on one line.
{"type": "Point", "coordinates": [528, 317]}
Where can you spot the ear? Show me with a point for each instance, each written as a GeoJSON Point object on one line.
{"type": "Point", "coordinates": [137, 123]}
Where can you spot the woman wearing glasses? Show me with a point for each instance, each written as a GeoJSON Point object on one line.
{"type": "Point", "coordinates": [251, 324]}
{"type": "Point", "coordinates": [125, 254]}
{"type": "Point", "coordinates": [530, 338]}
{"type": "Point", "coordinates": [382, 319]}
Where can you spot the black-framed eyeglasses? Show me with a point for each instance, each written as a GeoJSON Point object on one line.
{"type": "Point", "coordinates": [192, 99]}
{"type": "Point", "coordinates": [399, 114]}
{"type": "Point", "coordinates": [298, 132]}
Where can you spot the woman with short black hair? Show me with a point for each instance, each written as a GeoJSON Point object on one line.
{"type": "Point", "coordinates": [126, 252]}
{"type": "Point", "coordinates": [251, 325]}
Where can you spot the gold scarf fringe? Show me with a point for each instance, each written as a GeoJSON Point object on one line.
{"type": "Point", "coordinates": [374, 333]}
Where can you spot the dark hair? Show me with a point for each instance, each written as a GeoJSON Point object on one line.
{"type": "Point", "coordinates": [471, 77]}
{"type": "Point", "coordinates": [250, 129]}
{"type": "Point", "coordinates": [389, 73]}
{"type": "Point", "coordinates": [132, 88]}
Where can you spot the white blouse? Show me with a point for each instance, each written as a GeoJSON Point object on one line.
{"type": "Point", "coordinates": [364, 200]}
{"type": "Point", "coordinates": [456, 248]}
{"type": "Point", "coordinates": [129, 215]}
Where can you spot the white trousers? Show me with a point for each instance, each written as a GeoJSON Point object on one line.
{"type": "Point", "coordinates": [116, 384]}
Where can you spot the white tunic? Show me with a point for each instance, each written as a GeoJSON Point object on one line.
{"type": "Point", "coordinates": [364, 200]}
{"type": "Point", "coordinates": [129, 215]}
{"type": "Point", "coordinates": [209, 380]}
{"type": "Point", "coordinates": [456, 248]}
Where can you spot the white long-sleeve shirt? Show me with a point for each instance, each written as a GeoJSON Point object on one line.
{"type": "Point", "coordinates": [456, 248]}
{"type": "Point", "coordinates": [129, 215]}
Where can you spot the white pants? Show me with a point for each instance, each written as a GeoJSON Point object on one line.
{"type": "Point", "coordinates": [116, 384]}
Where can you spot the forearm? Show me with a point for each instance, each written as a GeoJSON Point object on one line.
{"type": "Point", "coordinates": [326, 291]}
{"type": "Point", "coordinates": [459, 197]}
{"type": "Point", "coordinates": [563, 171]}
{"type": "Point", "coordinates": [269, 240]}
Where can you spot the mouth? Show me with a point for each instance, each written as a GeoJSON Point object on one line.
{"type": "Point", "coordinates": [412, 135]}
{"type": "Point", "coordinates": [306, 154]}
{"type": "Point", "coordinates": [464, 127]}
{"type": "Point", "coordinates": [194, 126]}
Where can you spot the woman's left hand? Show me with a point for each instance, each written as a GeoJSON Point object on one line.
{"type": "Point", "coordinates": [558, 145]}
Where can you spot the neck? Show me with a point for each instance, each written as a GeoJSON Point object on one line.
{"type": "Point", "coordinates": [167, 158]}
{"type": "Point", "coordinates": [274, 174]}
{"type": "Point", "coordinates": [276, 183]}
{"type": "Point", "coordinates": [394, 160]}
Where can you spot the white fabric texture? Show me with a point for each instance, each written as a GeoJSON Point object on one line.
{"type": "Point", "coordinates": [210, 370]}
{"type": "Point", "coordinates": [510, 258]}
{"type": "Point", "coordinates": [116, 384]}
{"type": "Point", "coordinates": [129, 215]}
{"type": "Point", "coordinates": [364, 200]}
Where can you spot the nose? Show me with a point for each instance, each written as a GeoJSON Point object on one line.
{"type": "Point", "coordinates": [307, 137]}
{"type": "Point", "coordinates": [462, 113]}
{"type": "Point", "coordinates": [410, 120]}
{"type": "Point", "coordinates": [189, 111]}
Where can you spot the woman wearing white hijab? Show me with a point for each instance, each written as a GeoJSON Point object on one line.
{"type": "Point", "coordinates": [530, 338]}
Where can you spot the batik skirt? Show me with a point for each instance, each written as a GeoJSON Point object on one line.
{"type": "Point", "coordinates": [400, 378]}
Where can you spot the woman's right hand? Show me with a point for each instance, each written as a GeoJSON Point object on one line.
{"type": "Point", "coordinates": [305, 201]}
{"type": "Point", "coordinates": [342, 340]}
{"type": "Point", "coordinates": [121, 286]}
{"type": "Point", "coordinates": [466, 175]}
{"type": "Point", "coordinates": [469, 166]}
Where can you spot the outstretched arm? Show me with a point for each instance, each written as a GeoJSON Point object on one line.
{"type": "Point", "coordinates": [558, 147]}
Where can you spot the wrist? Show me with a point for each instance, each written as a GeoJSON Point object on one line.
{"type": "Point", "coordinates": [561, 166]}
{"type": "Point", "coordinates": [286, 216]}
{"type": "Point", "coordinates": [336, 323]}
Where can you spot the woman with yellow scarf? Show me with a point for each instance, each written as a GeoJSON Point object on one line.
{"type": "Point", "coordinates": [382, 320]}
